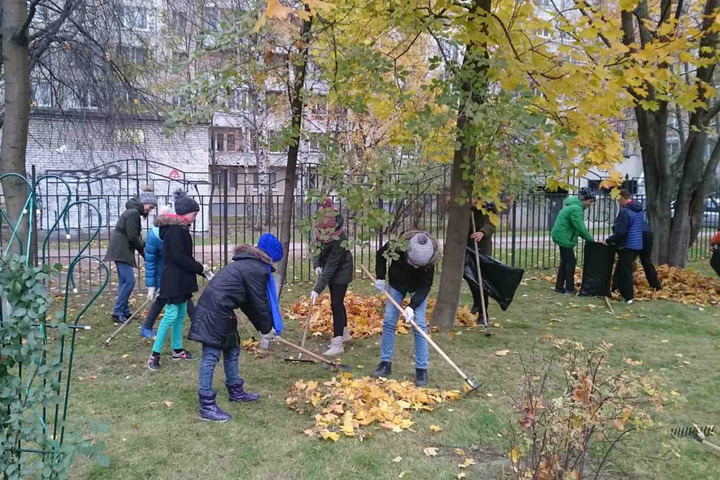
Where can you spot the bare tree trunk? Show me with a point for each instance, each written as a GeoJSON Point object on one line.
{"type": "Point", "coordinates": [296, 106]}
{"type": "Point", "coordinates": [460, 188]}
{"type": "Point", "coordinates": [16, 63]}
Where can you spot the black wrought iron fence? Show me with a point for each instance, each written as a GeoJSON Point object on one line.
{"type": "Point", "coordinates": [235, 211]}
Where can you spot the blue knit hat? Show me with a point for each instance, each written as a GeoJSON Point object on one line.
{"type": "Point", "coordinates": [269, 244]}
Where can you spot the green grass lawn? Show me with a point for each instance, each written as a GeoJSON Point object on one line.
{"type": "Point", "coordinates": [265, 440]}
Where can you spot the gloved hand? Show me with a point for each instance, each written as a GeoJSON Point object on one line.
{"type": "Point", "coordinates": [266, 338]}
{"type": "Point", "coordinates": [318, 271]}
{"type": "Point", "coordinates": [313, 297]}
{"type": "Point", "coordinates": [206, 269]}
{"type": "Point", "coordinates": [408, 314]}
{"type": "Point", "coordinates": [151, 293]}
{"type": "Point", "coordinates": [380, 285]}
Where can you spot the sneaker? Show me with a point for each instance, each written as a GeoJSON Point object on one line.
{"type": "Point", "coordinates": [560, 291]}
{"type": "Point", "coordinates": [421, 377]}
{"type": "Point", "coordinates": [119, 319]}
{"type": "Point", "coordinates": [183, 355]}
{"type": "Point", "coordinates": [570, 292]}
{"type": "Point", "coordinates": [384, 369]}
{"type": "Point", "coordinates": [148, 333]}
{"type": "Point", "coordinates": [154, 362]}
{"type": "Point", "coordinates": [629, 302]}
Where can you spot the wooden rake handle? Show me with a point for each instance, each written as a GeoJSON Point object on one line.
{"type": "Point", "coordinates": [422, 332]}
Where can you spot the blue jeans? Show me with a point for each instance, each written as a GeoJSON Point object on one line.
{"type": "Point", "coordinates": [126, 283]}
{"type": "Point", "coordinates": [387, 346]}
{"type": "Point", "coordinates": [210, 358]}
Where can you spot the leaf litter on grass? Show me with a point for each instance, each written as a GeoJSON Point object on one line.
{"type": "Point", "coordinates": [347, 405]}
{"type": "Point", "coordinates": [685, 286]}
{"type": "Point", "coordinates": [365, 315]}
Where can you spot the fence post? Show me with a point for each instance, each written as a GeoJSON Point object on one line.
{"type": "Point", "coordinates": [514, 232]}
{"type": "Point", "coordinates": [225, 222]}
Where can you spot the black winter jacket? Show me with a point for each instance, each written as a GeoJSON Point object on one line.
{"type": "Point", "coordinates": [405, 277]}
{"type": "Point", "coordinates": [179, 276]}
{"type": "Point", "coordinates": [241, 284]}
{"type": "Point", "coordinates": [336, 262]}
{"type": "Point", "coordinates": [126, 238]}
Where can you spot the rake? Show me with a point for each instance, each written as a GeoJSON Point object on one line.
{"type": "Point", "coordinates": [698, 433]}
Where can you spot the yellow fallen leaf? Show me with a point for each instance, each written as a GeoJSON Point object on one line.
{"type": "Point", "coordinates": [402, 474]}
{"type": "Point", "coordinates": [309, 432]}
{"type": "Point", "coordinates": [397, 459]}
{"type": "Point", "coordinates": [430, 451]}
{"type": "Point", "coordinates": [467, 463]}
{"type": "Point", "coordinates": [168, 403]}
{"type": "Point", "coordinates": [328, 435]}
{"type": "Point", "coordinates": [461, 475]}
{"type": "Point", "coordinates": [515, 454]}
{"type": "Point", "coordinates": [435, 428]}
{"type": "Point", "coordinates": [459, 451]}
{"type": "Point", "coordinates": [502, 353]}
{"type": "Point", "coordinates": [674, 393]}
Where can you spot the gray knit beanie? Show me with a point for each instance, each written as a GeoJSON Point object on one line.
{"type": "Point", "coordinates": [184, 204]}
{"type": "Point", "coordinates": [421, 250]}
{"type": "Point", "coordinates": [147, 195]}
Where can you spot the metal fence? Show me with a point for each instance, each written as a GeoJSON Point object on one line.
{"type": "Point", "coordinates": [240, 210]}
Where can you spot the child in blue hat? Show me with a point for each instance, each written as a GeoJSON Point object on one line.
{"type": "Point", "coordinates": [246, 283]}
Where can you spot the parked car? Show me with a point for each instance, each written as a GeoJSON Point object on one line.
{"type": "Point", "coordinates": [711, 213]}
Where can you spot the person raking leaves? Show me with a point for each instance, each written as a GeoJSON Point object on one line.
{"type": "Point", "coordinates": [179, 277]}
{"type": "Point", "coordinates": [246, 283]}
{"type": "Point", "coordinates": [411, 271]}
{"type": "Point", "coordinates": [334, 268]}
{"type": "Point", "coordinates": [483, 238]}
{"type": "Point", "coordinates": [569, 225]}
{"type": "Point", "coordinates": [627, 237]}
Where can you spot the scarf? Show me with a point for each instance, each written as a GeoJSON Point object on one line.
{"type": "Point", "coordinates": [274, 304]}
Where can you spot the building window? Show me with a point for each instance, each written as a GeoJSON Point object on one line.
{"type": "Point", "coordinates": [544, 3]}
{"type": "Point", "coordinates": [314, 141]}
{"type": "Point", "coordinates": [135, 18]}
{"type": "Point", "coordinates": [228, 141]}
{"type": "Point", "coordinates": [81, 98]}
{"type": "Point", "coordinates": [42, 94]}
{"type": "Point", "coordinates": [268, 179]}
{"type": "Point", "coordinates": [213, 19]}
{"type": "Point", "coordinates": [239, 100]}
{"type": "Point", "coordinates": [133, 54]}
{"type": "Point", "coordinates": [130, 136]}
{"type": "Point", "coordinates": [178, 21]}
{"type": "Point", "coordinates": [544, 33]}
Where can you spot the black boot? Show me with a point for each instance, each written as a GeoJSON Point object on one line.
{"type": "Point", "coordinates": [421, 377]}
{"type": "Point", "coordinates": [384, 369]}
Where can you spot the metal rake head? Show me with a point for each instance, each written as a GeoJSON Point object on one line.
{"type": "Point", "coordinates": [681, 432]}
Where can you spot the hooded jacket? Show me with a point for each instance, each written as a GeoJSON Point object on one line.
{"type": "Point", "coordinates": [405, 277]}
{"type": "Point", "coordinates": [179, 275]}
{"type": "Point", "coordinates": [126, 238]}
{"type": "Point", "coordinates": [628, 227]}
{"type": "Point", "coordinates": [570, 224]}
{"type": "Point", "coordinates": [241, 284]}
{"type": "Point", "coordinates": [335, 260]}
{"type": "Point", "coordinates": [154, 260]}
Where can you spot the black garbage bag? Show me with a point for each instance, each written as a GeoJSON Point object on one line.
{"type": "Point", "coordinates": [597, 270]}
{"type": "Point", "coordinates": [715, 261]}
{"type": "Point", "coordinates": [500, 280]}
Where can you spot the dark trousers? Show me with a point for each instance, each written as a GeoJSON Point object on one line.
{"type": "Point", "coordinates": [337, 305]}
{"type": "Point", "coordinates": [477, 305]}
{"type": "Point", "coordinates": [157, 307]}
{"type": "Point", "coordinates": [623, 280]}
{"type": "Point", "coordinates": [566, 270]}
{"type": "Point", "coordinates": [646, 261]}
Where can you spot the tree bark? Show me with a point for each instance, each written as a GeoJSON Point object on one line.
{"type": "Point", "coordinates": [296, 108]}
{"type": "Point", "coordinates": [16, 64]}
{"type": "Point", "coordinates": [458, 227]}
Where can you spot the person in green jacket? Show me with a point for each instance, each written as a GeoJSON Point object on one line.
{"type": "Point", "coordinates": [569, 225]}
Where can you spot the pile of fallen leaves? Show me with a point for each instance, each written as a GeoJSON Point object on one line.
{"type": "Point", "coordinates": [348, 405]}
{"type": "Point", "coordinates": [686, 286]}
{"type": "Point", "coordinates": [365, 315]}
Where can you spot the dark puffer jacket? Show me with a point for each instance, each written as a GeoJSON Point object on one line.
{"type": "Point", "coordinates": [336, 262]}
{"type": "Point", "coordinates": [628, 227]}
{"type": "Point", "coordinates": [179, 276]}
{"type": "Point", "coordinates": [241, 284]}
{"type": "Point", "coordinates": [405, 277]}
{"type": "Point", "coordinates": [127, 239]}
